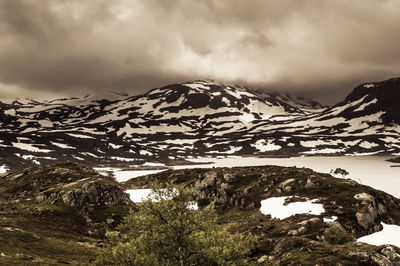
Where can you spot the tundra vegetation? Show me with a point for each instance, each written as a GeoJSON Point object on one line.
{"type": "Point", "coordinates": [168, 230]}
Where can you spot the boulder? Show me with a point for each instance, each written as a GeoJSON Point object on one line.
{"type": "Point", "coordinates": [297, 232]}
{"type": "Point", "coordinates": [94, 193]}
{"type": "Point", "coordinates": [214, 188]}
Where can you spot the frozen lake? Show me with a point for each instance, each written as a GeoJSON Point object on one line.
{"type": "Point", "coordinates": [372, 171]}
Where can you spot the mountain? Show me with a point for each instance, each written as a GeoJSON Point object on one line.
{"type": "Point", "coordinates": [199, 118]}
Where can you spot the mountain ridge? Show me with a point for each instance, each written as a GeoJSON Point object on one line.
{"type": "Point", "coordinates": [200, 118]}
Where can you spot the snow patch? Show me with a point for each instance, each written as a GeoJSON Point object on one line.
{"type": "Point", "coordinates": [153, 164]}
{"type": "Point", "coordinates": [123, 159]}
{"type": "Point", "coordinates": [370, 85]}
{"type": "Point", "coordinates": [80, 136]}
{"type": "Point", "coordinates": [276, 208]}
{"type": "Point", "coordinates": [3, 169]}
{"type": "Point", "coordinates": [330, 220]}
{"type": "Point", "coordinates": [139, 195]}
{"type": "Point", "coordinates": [61, 145]}
{"type": "Point", "coordinates": [29, 147]}
{"type": "Point", "coordinates": [368, 145]}
{"type": "Point", "coordinates": [114, 146]}
{"type": "Point", "coordinates": [390, 235]}
{"type": "Point", "coordinates": [264, 145]}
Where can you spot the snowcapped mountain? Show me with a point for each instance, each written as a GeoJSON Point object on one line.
{"type": "Point", "coordinates": [196, 119]}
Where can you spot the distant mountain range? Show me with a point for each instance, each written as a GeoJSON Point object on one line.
{"type": "Point", "coordinates": [199, 118]}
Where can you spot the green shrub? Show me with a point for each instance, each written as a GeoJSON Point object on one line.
{"type": "Point", "coordinates": [335, 236]}
{"type": "Point", "coordinates": [166, 231]}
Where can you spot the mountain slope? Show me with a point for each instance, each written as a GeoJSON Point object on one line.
{"type": "Point", "coordinates": [196, 119]}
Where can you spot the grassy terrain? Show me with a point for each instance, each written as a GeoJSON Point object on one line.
{"type": "Point", "coordinates": [50, 232]}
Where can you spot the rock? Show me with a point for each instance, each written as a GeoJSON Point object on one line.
{"type": "Point", "coordinates": [286, 182]}
{"type": "Point", "coordinates": [213, 188]}
{"type": "Point", "coordinates": [309, 184]}
{"type": "Point", "coordinates": [228, 177]}
{"type": "Point", "coordinates": [387, 256]}
{"type": "Point", "coordinates": [109, 220]}
{"type": "Point", "coordinates": [338, 225]}
{"type": "Point", "coordinates": [381, 209]}
{"type": "Point", "coordinates": [370, 212]}
{"type": "Point", "coordinates": [391, 253]}
{"type": "Point", "coordinates": [40, 198]}
{"type": "Point", "coordinates": [250, 206]}
{"type": "Point", "coordinates": [297, 232]}
{"type": "Point", "coordinates": [367, 218]}
{"type": "Point", "coordinates": [2, 254]}
{"type": "Point", "coordinates": [364, 197]}
{"type": "Point", "coordinates": [311, 221]}
{"type": "Point", "coordinates": [287, 188]}
{"type": "Point", "coordinates": [265, 259]}
{"type": "Point", "coordinates": [209, 179]}
{"type": "Point", "coordinates": [94, 193]}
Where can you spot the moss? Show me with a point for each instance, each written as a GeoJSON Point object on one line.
{"type": "Point", "coordinates": [43, 234]}
{"type": "Point", "coordinates": [335, 236]}
{"type": "Point", "coordinates": [395, 213]}
{"type": "Point", "coordinates": [100, 214]}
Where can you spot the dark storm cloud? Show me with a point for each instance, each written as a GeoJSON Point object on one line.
{"type": "Point", "coordinates": [316, 48]}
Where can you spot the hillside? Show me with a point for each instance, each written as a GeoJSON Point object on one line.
{"type": "Point", "coordinates": [57, 215]}
{"type": "Point", "coordinates": [54, 215]}
{"type": "Point", "coordinates": [197, 118]}
{"type": "Point", "coordinates": [348, 208]}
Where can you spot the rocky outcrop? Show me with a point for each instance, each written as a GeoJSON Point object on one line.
{"type": "Point", "coordinates": [360, 209]}
{"type": "Point", "coordinates": [94, 193]}
{"type": "Point", "coordinates": [214, 187]}
{"type": "Point", "coordinates": [370, 210]}
{"type": "Point", "coordinates": [77, 186]}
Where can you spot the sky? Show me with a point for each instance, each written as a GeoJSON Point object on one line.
{"type": "Point", "coordinates": [314, 48]}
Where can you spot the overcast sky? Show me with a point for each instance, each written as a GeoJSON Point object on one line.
{"type": "Point", "coordinates": [315, 48]}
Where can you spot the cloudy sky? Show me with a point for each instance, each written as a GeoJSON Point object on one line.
{"type": "Point", "coordinates": [315, 48]}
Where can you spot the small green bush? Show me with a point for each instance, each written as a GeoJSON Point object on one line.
{"type": "Point", "coordinates": [165, 231]}
{"type": "Point", "coordinates": [335, 236]}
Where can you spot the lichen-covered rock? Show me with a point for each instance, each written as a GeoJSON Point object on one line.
{"type": "Point", "coordinates": [386, 256]}
{"type": "Point", "coordinates": [297, 232]}
{"type": "Point", "coordinates": [213, 187]}
{"type": "Point", "coordinates": [371, 209]}
{"type": "Point", "coordinates": [364, 197]}
{"type": "Point", "coordinates": [94, 193]}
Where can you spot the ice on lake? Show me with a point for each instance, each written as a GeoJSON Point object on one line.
{"type": "Point", "coordinates": [372, 171]}
{"type": "Point", "coordinates": [125, 175]}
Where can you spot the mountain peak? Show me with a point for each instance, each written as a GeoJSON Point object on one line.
{"type": "Point", "coordinates": [382, 89]}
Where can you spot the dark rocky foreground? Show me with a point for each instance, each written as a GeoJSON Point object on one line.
{"type": "Point", "coordinates": [58, 214]}
{"type": "Point", "coordinates": [303, 238]}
